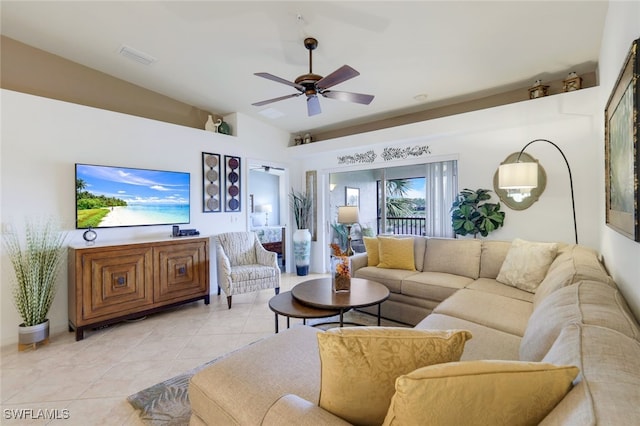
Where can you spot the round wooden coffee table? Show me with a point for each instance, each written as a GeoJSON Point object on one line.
{"type": "Point", "coordinates": [319, 294]}
{"type": "Point", "coordinates": [284, 304]}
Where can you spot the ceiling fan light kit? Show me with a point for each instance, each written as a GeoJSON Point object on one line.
{"type": "Point", "coordinates": [311, 85]}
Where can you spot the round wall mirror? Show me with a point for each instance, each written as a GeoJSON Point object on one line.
{"type": "Point", "coordinates": [535, 192]}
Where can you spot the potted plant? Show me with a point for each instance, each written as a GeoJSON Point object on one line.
{"type": "Point", "coordinates": [301, 206]}
{"type": "Point", "coordinates": [36, 261]}
{"type": "Point", "coordinates": [469, 215]}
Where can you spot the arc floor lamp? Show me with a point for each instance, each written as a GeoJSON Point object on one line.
{"type": "Point", "coordinates": [519, 178]}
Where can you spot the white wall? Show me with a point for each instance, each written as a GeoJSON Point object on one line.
{"type": "Point", "coordinates": [621, 254]}
{"type": "Point", "coordinates": [480, 141]}
{"type": "Point", "coordinates": [43, 138]}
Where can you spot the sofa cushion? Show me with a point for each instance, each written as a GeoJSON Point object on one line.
{"type": "Point", "coordinates": [526, 264]}
{"type": "Point", "coordinates": [453, 256]}
{"type": "Point", "coordinates": [586, 302]}
{"type": "Point", "coordinates": [492, 256]}
{"type": "Point", "coordinates": [489, 285]}
{"type": "Point", "coordinates": [293, 410]}
{"type": "Point", "coordinates": [359, 365]}
{"type": "Point", "coordinates": [572, 264]}
{"type": "Point", "coordinates": [252, 272]}
{"type": "Point", "coordinates": [487, 343]}
{"type": "Point", "coordinates": [433, 285]}
{"type": "Point", "coordinates": [216, 392]}
{"type": "Point", "coordinates": [607, 389]}
{"type": "Point", "coordinates": [392, 278]}
{"type": "Point", "coordinates": [371, 246]}
{"type": "Point", "coordinates": [396, 253]}
{"type": "Point", "coordinates": [499, 312]}
{"type": "Point", "coordinates": [479, 393]}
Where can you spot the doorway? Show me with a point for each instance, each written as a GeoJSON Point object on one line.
{"type": "Point", "coordinates": [267, 206]}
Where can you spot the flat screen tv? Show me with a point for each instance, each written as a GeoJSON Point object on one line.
{"type": "Point", "coordinates": [108, 197]}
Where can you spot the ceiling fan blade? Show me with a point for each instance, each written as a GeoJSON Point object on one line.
{"type": "Point", "coordinates": [340, 75]}
{"type": "Point", "coordinates": [279, 80]}
{"type": "Point", "coordinates": [281, 98]}
{"type": "Point", "coordinates": [313, 105]}
{"type": "Point", "coordinates": [358, 98]}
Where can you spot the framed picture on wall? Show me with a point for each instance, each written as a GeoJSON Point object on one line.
{"type": "Point", "coordinates": [211, 183]}
{"type": "Point", "coordinates": [622, 159]}
{"type": "Point", "coordinates": [232, 184]}
{"type": "Point", "coordinates": [352, 196]}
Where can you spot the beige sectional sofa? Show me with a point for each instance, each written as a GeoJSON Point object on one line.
{"type": "Point", "coordinates": [575, 316]}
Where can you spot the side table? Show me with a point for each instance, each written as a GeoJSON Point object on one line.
{"type": "Point", "coordinates": [284, 304]}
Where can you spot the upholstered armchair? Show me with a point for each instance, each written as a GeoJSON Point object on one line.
{"type": "Point", "coordinates": [244, 265]}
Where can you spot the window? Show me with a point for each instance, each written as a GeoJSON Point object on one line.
{"type": "Point", "coordinates": [417, 199]}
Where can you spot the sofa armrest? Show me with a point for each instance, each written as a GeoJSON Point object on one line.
{"type": "Point", "coordinates": [359, 260]}
{"type": "Point", "coordinates": [223, 267]}
{"type": "Point", "coordinates": [264, 256]}
{"type": "Point", "coordinates": [293, 410]}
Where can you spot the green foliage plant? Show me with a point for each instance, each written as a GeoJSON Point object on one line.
{"type": "Point", "coordinates": [470, 216]}
{"type": "Point", "coordinates": [301, 205]}
{"type": "Point", "coordinates": [36, 262]}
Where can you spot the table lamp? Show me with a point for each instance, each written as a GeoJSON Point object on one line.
{"type": "Point", "coordinates": [347, 216]}
{"type": "Point", "coordinates": [268, 208]}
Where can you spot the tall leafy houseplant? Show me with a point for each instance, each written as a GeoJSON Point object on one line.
{"type": "Point", "coordinates": [301, 206]}
{"type": "Point", "coordinates": [36, 260]}
{"type": "Point", "coordinates": [469, 215]}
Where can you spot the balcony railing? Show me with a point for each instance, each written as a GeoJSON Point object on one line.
{"type": "Point", "coordinates": [403, 225]}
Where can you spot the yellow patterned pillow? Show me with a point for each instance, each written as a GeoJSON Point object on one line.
{"type": "Point", "coordinates": [396, 253]}
{"type": "Point", "coordinates": [479, 393]}
{"type": "Point", "coordinates": [359, 365]}
{"type": "Point", "coordinates": [371, 246]}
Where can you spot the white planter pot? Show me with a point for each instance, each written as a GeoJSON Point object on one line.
{"type": "Point", "coordinates": [31, 335]}
{"type": "Point", "coordinates": [302, 250]}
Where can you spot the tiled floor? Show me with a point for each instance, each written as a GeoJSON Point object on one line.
{"type": "Point", "coordinates": [87, 382]}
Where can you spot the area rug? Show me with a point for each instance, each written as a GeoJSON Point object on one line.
{"type": "Point", "coordinates": [167, 403]}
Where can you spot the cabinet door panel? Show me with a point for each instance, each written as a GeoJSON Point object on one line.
{"type": "Point", "coordinates": [118, 282]}
{"type": "Point", "coordinates": [181, 271]}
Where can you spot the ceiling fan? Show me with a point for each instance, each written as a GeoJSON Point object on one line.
{"type": "Point", "coordinates": [313, 85]}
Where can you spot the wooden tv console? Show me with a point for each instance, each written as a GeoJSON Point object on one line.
{"type": "Point", "coordinates": [112, 282]}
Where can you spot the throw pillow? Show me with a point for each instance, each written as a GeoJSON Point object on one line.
{"type": "Point", "coordinates": [359, 366]}
{"type": "Point", "coordinates": [527, 264]}
{"type": "Point", "coordinates": [396, 253]}
{"type": "Point", "coordinates": [479, 393]}
{"type": "Point", "coordinates": [371, 246]}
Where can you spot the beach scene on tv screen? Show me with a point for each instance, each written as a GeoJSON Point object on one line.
{"type": "Point", "coordinates": [109, 196]}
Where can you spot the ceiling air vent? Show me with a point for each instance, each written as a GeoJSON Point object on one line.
{"type": "Point", "coordinates": [136, 55]}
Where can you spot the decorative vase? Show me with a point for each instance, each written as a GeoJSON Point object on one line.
{"type": "Point", "coordinates": [209, 125]}
{"type": "Point", "coordinates": [32, 335]}
{"type": "Point", "coordinates": [340, 273]}
{"type": "Point", "coordinates": [302, 250]}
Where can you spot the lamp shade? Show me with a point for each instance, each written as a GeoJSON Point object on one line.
{"type": "Point", "coordinates": [518, 176]}
{"type": "Point", "coordinates": [348, 215]}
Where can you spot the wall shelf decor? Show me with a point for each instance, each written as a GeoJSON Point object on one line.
{"type": "Point", "coordinates": [402, 153]}
{"type": "Point", "coordinates": [232, 184]}
{"type": "Point", "coordinates": [211, 183]}
{"type": "Point", "coordinates": [362, 157]}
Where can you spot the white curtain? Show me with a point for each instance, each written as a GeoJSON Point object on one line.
{"type": "Point", "coordinates": [441, 190]}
